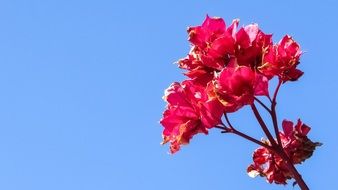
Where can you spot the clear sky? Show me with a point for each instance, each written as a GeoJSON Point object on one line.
{"type": "Point", "coordinates": [81, 85]}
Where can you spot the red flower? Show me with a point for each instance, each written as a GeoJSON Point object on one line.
{"type": "Point", "coordinates": [250, 45]}
{"type": "Point", "coordinates": [211, 29]}
{"type": "Point", "coordinates": [212, 43]}
{"type": "Point", "coordinates": [189, 111]}
{"type": "Point", "coordinates": [295, 144]}
{"type": "Point", "coordinates": [236, 86]}
{"type": "Point", "coordinates": [212, 46]}
{"type": "Point", "coordinates": [295, 141]}
{"type": "Point", "coordinates": [282, 59]}
{"type": "Point", "coordinates": [197, 71]}
{"type": "Point", "coordinates": [269, 165]}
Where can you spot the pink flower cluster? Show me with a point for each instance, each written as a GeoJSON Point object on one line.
{"type": "Point", "coordinates": [297, 146]}
{"type": "Point", "coordinates": [189, 111]}
{"type": "Point", "coordinates": [227, 68]}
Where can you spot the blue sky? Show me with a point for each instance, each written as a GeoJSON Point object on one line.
{"type": "Point", "coordinates": [81, 85]}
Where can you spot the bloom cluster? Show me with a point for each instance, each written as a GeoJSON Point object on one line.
{"type": "Point", "coordinates": [229, 67]}
{"type": "Point", "coordinates": [297, 146]}
{"type": "Point", "coordinates": [189, 111]}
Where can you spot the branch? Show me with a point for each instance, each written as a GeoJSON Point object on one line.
{"type": "Point", "coordinates": [273, 113]}
{"type": "Point", "coordinates": [231, 129]}
{"type": "Point", "coordinates": [263, 105]}
{"type": "Point", "coordinates": [234, 131]}
{"type": "Point", "coordinates": [228, 121]}
{"type": "Point", "coordinates": [263, 125]}
{"type": "Point", "coordinates": [276, 91]}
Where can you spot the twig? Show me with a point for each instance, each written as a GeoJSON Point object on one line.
{"type": "Point", "coordinates": [263, 105]}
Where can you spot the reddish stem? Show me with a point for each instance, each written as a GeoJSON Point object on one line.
{"type": "Point", "coordinates": [234, 131]}
{"type": "Point", "coordinates": [231, 129]}
{"type": "Point", "coordinates": [296, 175]}
{"type": "Point", "coordinates": [262, 124]}
{"type": "Point", "coordinates": [228, 120]}
{"type": "Point", "coordinates": [274, 115]}
{"type": "Point", "coordinates": [276, 91]}
{"type": "Point", "coordinates": [263, 105]}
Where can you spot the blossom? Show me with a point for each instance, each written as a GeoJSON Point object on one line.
{"type": "Point", "coordinates": [189, 112]}
{"type": "Point", "coordinates": [270, 165]}
{"type": "Point", "coordinates": [212, 28]}
{"type": "Point", "coordinates": [197, 71]}
{"type": "Point", "coordinates": [297, 146]}
{"type": "Point", "coordinates": [295, 141]}
{"type": "Point", "coordinates": [212, 45]}
{"type": "Point", "coordinates": [237, 86]}
{"type": "Point", "coordinates": [282, 59]}
{"type": "Point", "coordinates": [251, 43]}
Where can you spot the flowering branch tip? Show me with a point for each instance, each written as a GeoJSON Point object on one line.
{"type": "Point", "coordinates": [228, 68]}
